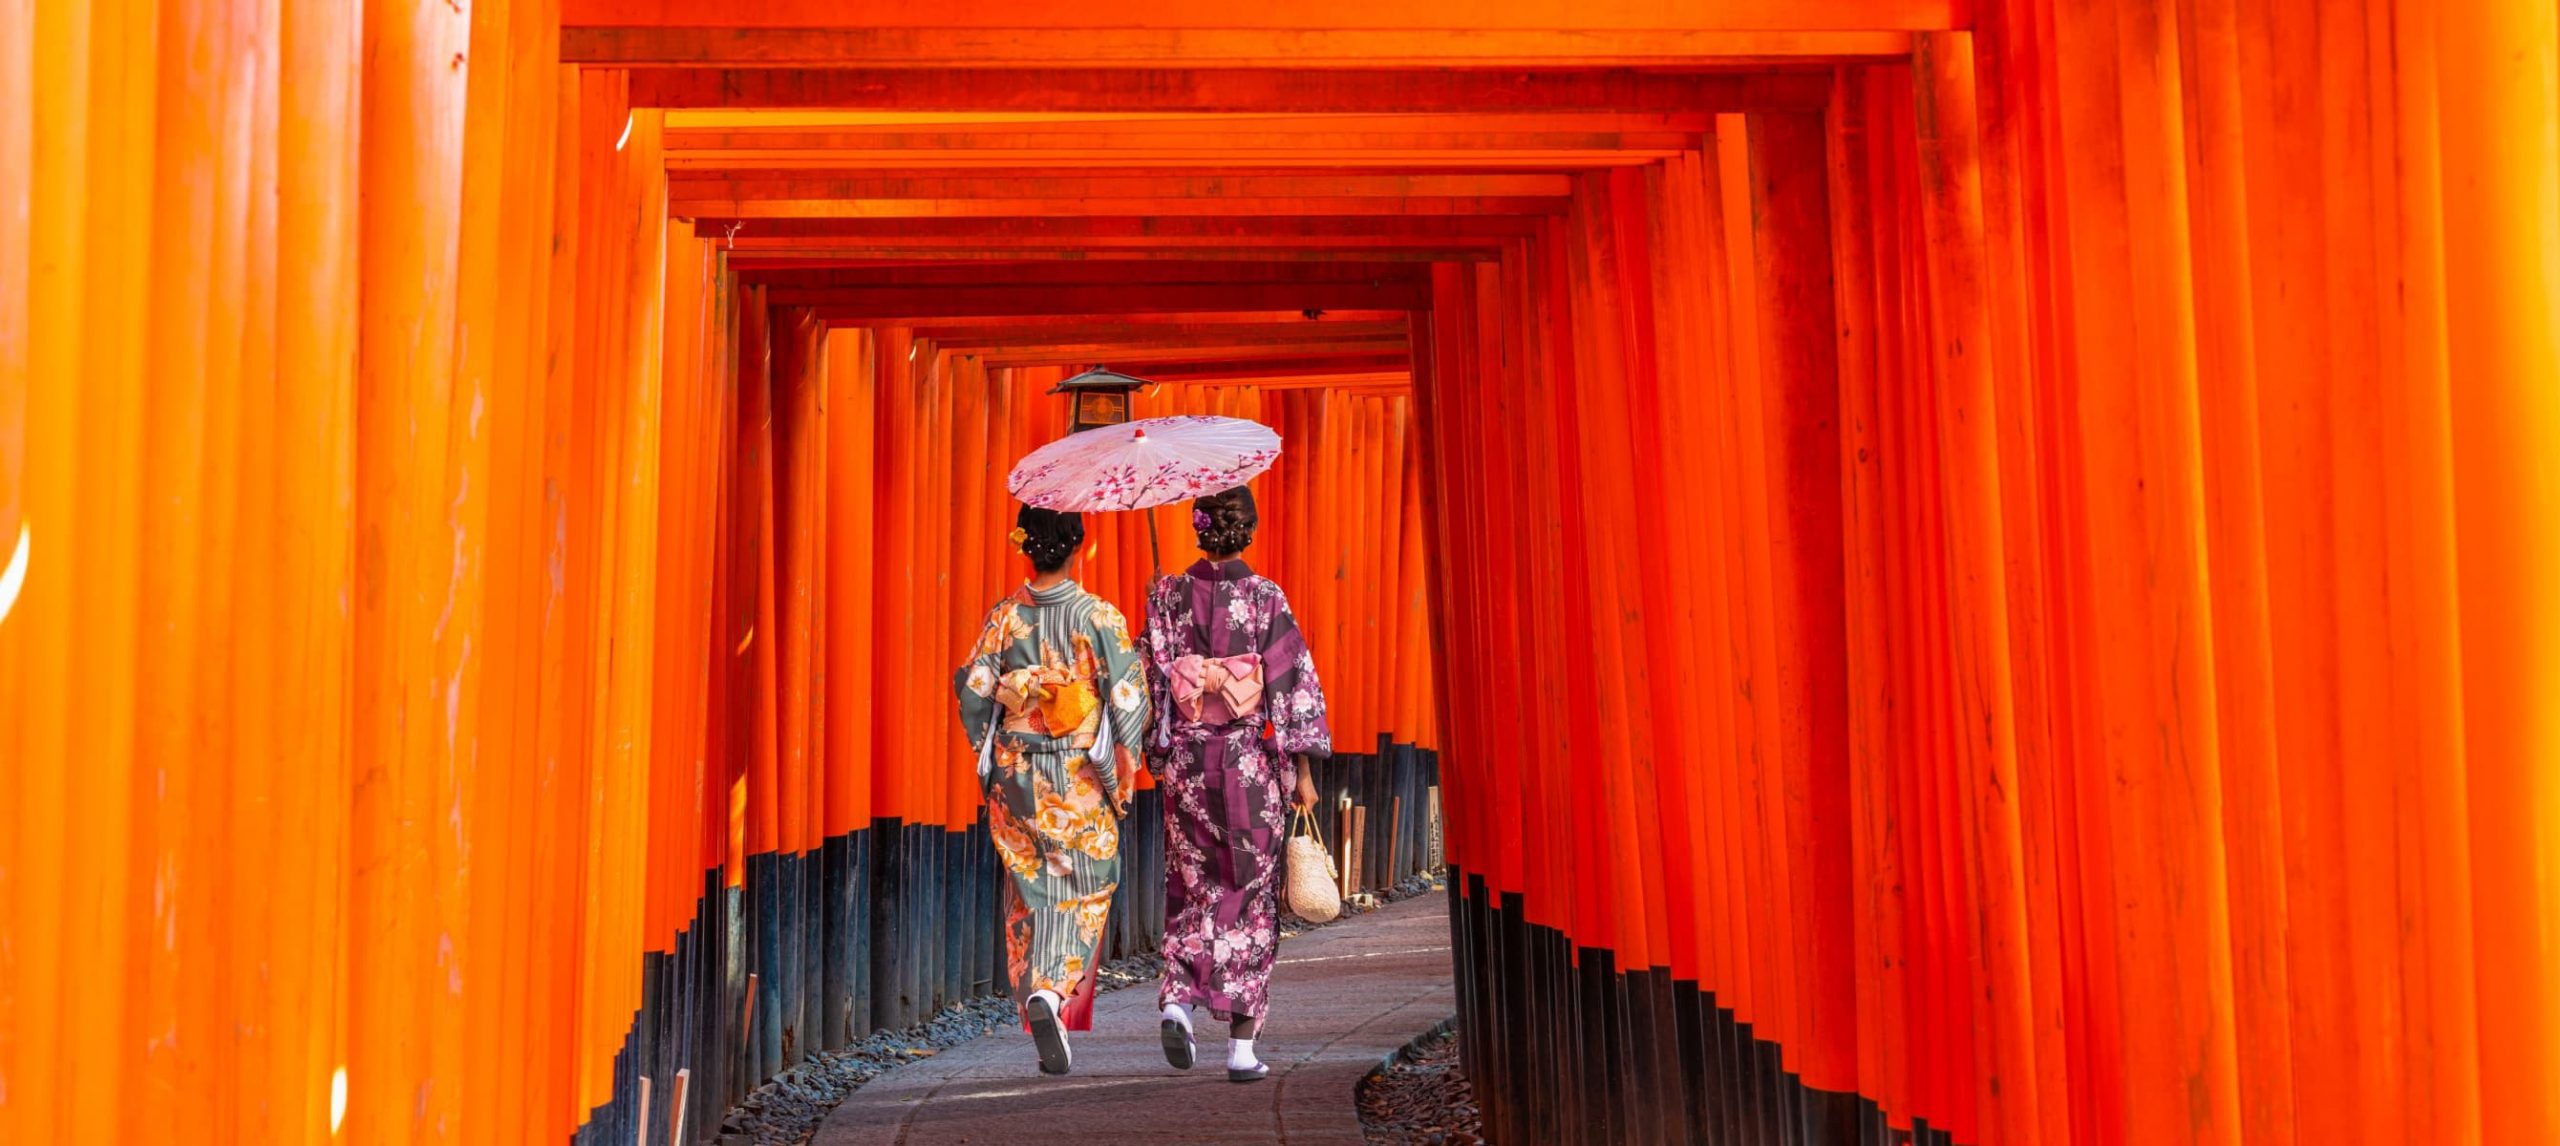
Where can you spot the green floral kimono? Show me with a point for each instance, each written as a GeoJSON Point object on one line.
{"type": "Point", "coordinates": [1051, 669]}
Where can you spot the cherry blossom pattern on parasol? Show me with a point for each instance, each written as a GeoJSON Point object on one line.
{"type": "Point", "coordinates": [1145, 464]}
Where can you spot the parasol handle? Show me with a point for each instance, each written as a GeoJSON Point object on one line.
{"type": "Point", "coordinates": [1154, 552]}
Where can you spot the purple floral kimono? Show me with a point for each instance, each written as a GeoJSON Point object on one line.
{"type": "Point", "coordinates": [1221, 741]}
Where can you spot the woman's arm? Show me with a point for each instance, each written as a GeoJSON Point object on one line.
{"type": "Point", "coordinates": [975, 683]}
{"type": "Point", "coordinates": [1123, 686]}
{"type": "Point", "coordinates": [1291, 695]}
{"type": "Point", "coordinates": [1163, 646]}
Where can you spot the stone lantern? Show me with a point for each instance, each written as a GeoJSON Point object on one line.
{"type": "Point", "coordinates": [1098, 397]}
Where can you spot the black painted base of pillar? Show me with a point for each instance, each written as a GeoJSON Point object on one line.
{"type": "Point", "coordinates": [1562, 1047]}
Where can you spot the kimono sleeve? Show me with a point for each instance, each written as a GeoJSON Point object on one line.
{"type": "Point", "coordinates": [1124, 687]}
{"type": "Point", "coordinates": [1163, 646]}
{"type": "Point", "coordinates": [1291, 694]}
{"type": "Point", "coordinates": [975, 683]}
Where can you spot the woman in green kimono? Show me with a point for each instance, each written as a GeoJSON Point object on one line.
{"type": "Point", "coordinates": [1055, 701]}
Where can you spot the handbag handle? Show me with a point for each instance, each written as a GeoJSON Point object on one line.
{"type": "Point", "coordinates": [1309, 822]}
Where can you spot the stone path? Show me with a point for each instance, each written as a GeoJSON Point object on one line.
{"type": "Point", "coordinates": [1343, 997]}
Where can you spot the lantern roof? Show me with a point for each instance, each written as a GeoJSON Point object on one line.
{"type": "Point", "coordinates": [1100, 378]}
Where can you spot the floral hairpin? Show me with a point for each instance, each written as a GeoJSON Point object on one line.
{"type": "Point", "coordinates": [1199, 519]}
{"type": "Point", "coordinates": [1019, 535]}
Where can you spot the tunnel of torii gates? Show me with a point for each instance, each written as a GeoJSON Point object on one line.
{"type": "Point", "coordinates": [1979, 571]}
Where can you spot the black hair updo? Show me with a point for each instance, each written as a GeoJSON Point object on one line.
{"type": "Point", "coordinates": [1225, 521]}
{"type": "Point", "coordinates": [1047, 536]}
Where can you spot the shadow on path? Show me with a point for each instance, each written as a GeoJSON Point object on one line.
{"type": "Point", "coordinates": [1343, 998]}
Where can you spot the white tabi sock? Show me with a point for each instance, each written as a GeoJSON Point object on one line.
{"type": "Point", "coordinates": [1240, 1054]}
{"type": "Point", "coordinates": [1177, 1013]}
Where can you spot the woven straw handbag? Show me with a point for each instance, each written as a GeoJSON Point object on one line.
{"type": "Point", "coordinates": [1312, 891]}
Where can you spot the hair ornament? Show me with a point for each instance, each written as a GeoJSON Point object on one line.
{"type": "Point", "coordinates": [1019, 535]}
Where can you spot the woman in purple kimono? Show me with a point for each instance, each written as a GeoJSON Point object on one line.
{"type": "Point", "coordinates": [1236, 700]}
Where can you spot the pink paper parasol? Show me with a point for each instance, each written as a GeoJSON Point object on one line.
{"type": "Point", "coordinates": [1144, 464]}
{"type": "Point", "coordinates": [1141, 465]}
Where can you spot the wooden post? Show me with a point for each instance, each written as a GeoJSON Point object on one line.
{"type": "Point", "coordinates": [1342, 837]}
{"type": "Point", "coordinates": [640, 1119]}
{"type": "Point", "coordinates": [1359, 831]}
{"type": "Point", "coordinates": [676, 1108]}
{"type": "Point", "coordinates": [1433, 853]}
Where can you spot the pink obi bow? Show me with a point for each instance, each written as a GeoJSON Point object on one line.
{"type": "Point", "coordinates": [1234, 681]}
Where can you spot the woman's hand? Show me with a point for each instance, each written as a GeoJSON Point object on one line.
{"type": "Point", "coordinates": [1305, 798]}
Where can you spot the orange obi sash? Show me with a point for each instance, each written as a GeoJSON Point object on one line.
{"type": "Point", "coordinates": [1062, 700]}
{"type": "Point", "coordinates": [1216, 690]}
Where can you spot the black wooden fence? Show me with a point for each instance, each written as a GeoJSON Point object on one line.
{"type": "Point", "coordinates": [882, 928]}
